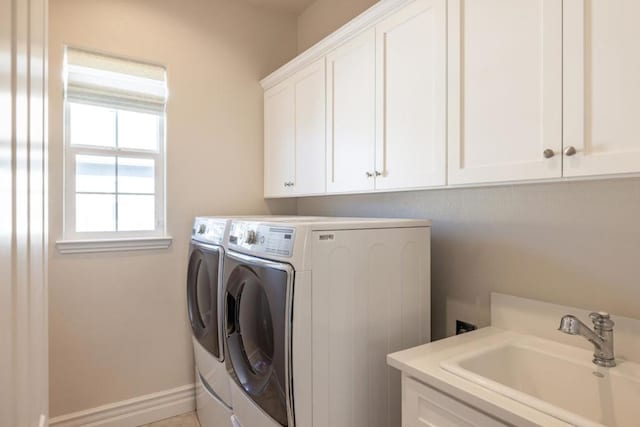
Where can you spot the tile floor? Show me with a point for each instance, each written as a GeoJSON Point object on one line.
{"type": "Point", "coordinates": [184, 420]}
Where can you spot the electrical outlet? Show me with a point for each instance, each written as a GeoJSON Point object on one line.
{"type": "Point", "coordinates": [464, 327]}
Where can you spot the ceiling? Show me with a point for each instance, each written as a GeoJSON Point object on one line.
{"type": "Point", "coordinates": [286, 6]}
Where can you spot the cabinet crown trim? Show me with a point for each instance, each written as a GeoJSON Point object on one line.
{"type": "Point", "coordinates": [362, 22]}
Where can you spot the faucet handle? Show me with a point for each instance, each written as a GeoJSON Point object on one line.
{"type": "Point", "coordinates": [602, 320]}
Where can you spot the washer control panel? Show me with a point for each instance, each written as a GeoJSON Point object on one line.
{"type": "Point", "coordinates": [262, 238]}
{"type": "Point", "coordinates": [209, 230]}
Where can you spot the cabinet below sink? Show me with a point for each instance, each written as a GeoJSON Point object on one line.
{"type": "Point", "coordinates": [424, 406]}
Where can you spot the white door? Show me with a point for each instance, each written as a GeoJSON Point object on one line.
{"type": "Point", "coordinates": [411, 97]}
{"type": "Point", "coordinates": [351, 115]}
{"type": "Point", "coordinates": [279, 140]}
{"type": "Point", "coordinates": [310, 113]}
{"type": "Point", "coordinates": [505, 90]}
{"type": "Point", "coordinates": [601, 87]}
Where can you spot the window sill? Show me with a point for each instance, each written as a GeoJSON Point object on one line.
{"type": "Point", "coordinates": [113, 245]}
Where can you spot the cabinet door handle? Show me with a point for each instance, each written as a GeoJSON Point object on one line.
{"type": "Point", "coordinates": [378, 173]}
{"type": "Point", "coordinates": [570, 151]}
{"type": "Point", "coordinates": [369, 174]}
{"type": "Point", "coordinates": [548, 153]}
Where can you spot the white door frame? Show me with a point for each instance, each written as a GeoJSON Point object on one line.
{"type": "Point", "coordinates": [23, 213]}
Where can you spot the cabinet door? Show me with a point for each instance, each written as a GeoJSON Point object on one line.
{"type": "Point", "coordinates": [351, 115]}
{"type": "Point", "coordinates": [411, 91]}
{"type": "Point", "coordinates": [310, 156]}
{"type": "Point", "coordinates": [505, 90]}
{"type": "Point", "coordinates": [423, 406]}
{"type": "Point", "coordinates": [601, 86]}
{"type": "Point", "coordinates": [279, 139]}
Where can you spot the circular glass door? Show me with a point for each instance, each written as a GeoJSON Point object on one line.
{"type": "Point", "coordinates": [202, 297]}
{"type": "Point", "coordinates": [203, 293]}
{"type": "Point", "coordinates": [254, 331]}
{"type": "Point", "coordinates": [256, 310]}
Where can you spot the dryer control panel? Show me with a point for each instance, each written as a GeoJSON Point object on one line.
{"type": "Point", "coordinates": [209, 230]}
{"type": "Point", "coordinates": [266, 239]}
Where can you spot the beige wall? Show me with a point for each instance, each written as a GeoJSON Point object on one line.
{"type": "Point", "coordinates": [323, 17]}
{"type": "Point", "coordinates": [118, 322]}
{"type": "Point", "coordinates": [118, 326]}
{"type": "Point", "coordinates": [574, 244]}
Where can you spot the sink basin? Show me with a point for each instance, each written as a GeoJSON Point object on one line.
{"type": "Point", "coordinates": [556, 379]}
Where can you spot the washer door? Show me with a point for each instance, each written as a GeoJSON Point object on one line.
{"type": "Point", "coordinates": [203, 296]}
{"type": "Point", "coordinates": [258, 313]}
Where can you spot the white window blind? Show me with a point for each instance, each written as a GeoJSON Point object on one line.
{"type": "Point", "coordinates": [114, 147]}
{"type": "Point", "coordinates": [92, 77]}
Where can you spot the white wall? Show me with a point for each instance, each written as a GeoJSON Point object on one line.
{"type": "Point", "coordinates": [118, 322]}
{"type": "Point", "coordinates": [323, 17]}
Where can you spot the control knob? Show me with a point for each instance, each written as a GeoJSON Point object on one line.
{"type": "Point", "coordinates": [202, 228]}
{"type": "Point", "coordinates": [252, 237]}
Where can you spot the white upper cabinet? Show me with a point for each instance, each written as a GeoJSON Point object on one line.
{"type": "Point", "coordinates": [411, 97]}
{"type": "Point", "coordinates": [294, 134]}
{"type": "Point", "coordinates": [386, 105]}
{"type": "Point", "coordinates": [601, 87]}
{"type": "Point", "coordinates": [310, 146]}
{"type": "Point", "coordinates": [279, 139]}
{"type": "Point", "coordinates": [505, 90]}
{"type": "Point", "coordinates": [351, 115]}
{"type": "Point", "coordinates": [426, 93]}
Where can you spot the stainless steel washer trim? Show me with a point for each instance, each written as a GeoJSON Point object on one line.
{"type": "Point", "coordinates": [262, 262]}
{"type": "Point", "coordinates": [219, 290]}
{"type": "Point", "coordinates": [287, 268]}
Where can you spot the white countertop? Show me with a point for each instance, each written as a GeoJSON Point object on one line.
{"type": "Point", "coordinates": [515, 319]}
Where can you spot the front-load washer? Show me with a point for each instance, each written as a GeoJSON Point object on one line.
{"type": "Point", "coordinates": [204, 306]}
{"type": "Point", "coordinates": [312, 308]}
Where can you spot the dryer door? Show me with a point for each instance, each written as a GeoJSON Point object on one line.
{"type": "Point", "coordinates": [258, 312]}
{"type": "Point", "coordinates": [203, 296]}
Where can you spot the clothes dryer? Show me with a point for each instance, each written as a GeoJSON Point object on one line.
{"type": "Point", "coordinates": [312, 308]}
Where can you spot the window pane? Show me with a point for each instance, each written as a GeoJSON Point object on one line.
{"type": "Point", "coordinates": [95, 212]}
{"type": "Point", "coordinates": [136, 213]}
{"type": "Point", "coordinates": [136, 175]}
{"type": "Point", "coordinates": [95, 174]}
{"type": "Point", "coordinates": [91, 125]}
{"type": "Point", "coordinates": [138, 131]}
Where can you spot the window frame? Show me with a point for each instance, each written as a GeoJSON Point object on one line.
{"type": "Point", "coordinates": [69, 185]}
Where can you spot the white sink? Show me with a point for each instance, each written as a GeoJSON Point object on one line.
{"type": "Point", "coordinates": [556, 379]}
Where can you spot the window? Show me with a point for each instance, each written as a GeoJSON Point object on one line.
{"type": "Point", "coordinates": [114, 147]}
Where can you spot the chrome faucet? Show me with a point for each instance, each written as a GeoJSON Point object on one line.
{"type": "Point", "coordinates": [601, 336]}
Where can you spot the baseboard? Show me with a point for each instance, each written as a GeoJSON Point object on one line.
{"type": "Point", "coordinates": [133, 412]}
